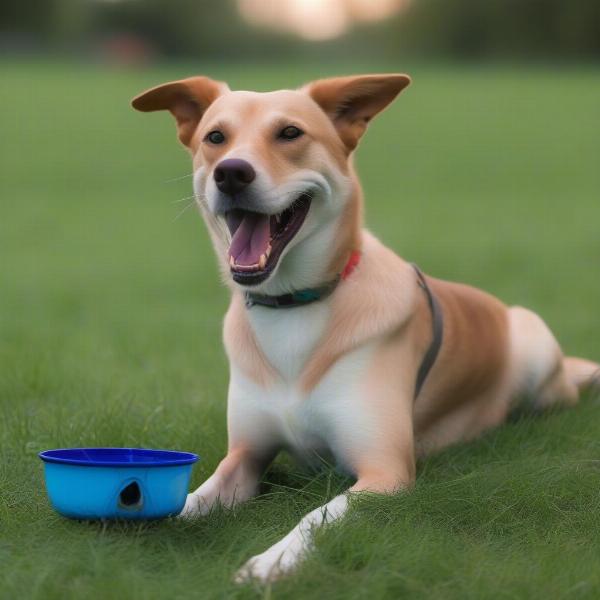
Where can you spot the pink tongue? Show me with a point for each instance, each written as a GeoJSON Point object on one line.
{"type": "Point", "coordinates": [250, 239]}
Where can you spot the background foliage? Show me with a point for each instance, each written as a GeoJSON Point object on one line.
{"type": "Point", "coordinates": [473, 29]}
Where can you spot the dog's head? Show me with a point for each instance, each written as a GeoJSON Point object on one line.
{"type": "Point", "coordinates": [272, 171]}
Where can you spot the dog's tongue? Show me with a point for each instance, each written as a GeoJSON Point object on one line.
{"type": "Point", "coordinates": [251, 239]}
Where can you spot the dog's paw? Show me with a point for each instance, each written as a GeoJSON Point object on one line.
{"type": "Point", "coordinates": [193, 507]}
{"type": "Point", "coordinates": [270, 565]}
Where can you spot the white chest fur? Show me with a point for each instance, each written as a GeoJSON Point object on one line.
{"type": "Point", "coordinates": [287, 336]}
{"type": "Point", "coordinates": [331, 418]}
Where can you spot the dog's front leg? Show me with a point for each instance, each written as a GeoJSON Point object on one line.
{"type": "Point", "coordinates": [235, 480]}
{"type": "Point", "coordinates": [285, 555]}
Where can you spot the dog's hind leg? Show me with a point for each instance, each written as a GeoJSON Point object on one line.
{"type": "Point", "coordinates": [585, 374]}
{"type": "Point", "coordinates": [539, 371]}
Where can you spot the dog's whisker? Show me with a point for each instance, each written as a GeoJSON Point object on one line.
{"type": "Point", "coordinates": [183, 199]}
{"type": "Point", "coordinates": [184, 209]}
{"type": "Point", "coordinates": [178, 178]}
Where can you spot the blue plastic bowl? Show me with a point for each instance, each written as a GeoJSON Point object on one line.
{"type": "Point", "coordinates": [117, 483]}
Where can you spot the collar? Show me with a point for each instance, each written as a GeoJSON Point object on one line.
{"type": "Point", "coordinates": [305, 296]}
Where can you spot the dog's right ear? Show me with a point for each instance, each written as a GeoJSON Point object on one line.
{"type": "Point", "coordinates": [187, 100]}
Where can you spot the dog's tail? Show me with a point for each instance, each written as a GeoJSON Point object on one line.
{"type": "Point", "coordinates": [585, 374]}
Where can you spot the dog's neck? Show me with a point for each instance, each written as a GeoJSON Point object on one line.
{"type": "Point", "coordinates": [305, 296]}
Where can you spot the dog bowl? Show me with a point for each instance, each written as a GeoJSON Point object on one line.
{"type": "Point", "coordinates": [117, 483]}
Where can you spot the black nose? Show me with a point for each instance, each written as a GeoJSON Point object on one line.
{"type": "Point", "coordinates": [233, 175]}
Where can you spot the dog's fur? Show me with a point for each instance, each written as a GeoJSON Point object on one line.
{"type": "Point", "coordinates": [337, 376]}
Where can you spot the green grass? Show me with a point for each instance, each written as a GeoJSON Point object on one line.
{"type": "Point", "coordinates": [110, 326]}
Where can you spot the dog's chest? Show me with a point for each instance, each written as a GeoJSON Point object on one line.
{"type": "Point", "coordinates": [332, 418]}
{"type": "Point", "coordinates": [288, 336]}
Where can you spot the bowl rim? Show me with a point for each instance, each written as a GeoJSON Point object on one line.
{"type": "Point", "coordinates": [153, 457]}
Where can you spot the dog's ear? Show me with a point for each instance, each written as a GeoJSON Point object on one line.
{"type": "Point", "coordinates": [186, 99]}
{"type": "Point", "coordinates": [351, 102]}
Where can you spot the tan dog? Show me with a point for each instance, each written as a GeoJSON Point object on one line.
{"type": "Point", "coordinates": [336, 345]}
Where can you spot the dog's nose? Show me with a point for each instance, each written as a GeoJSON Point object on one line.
{"type": "Point", "coordinates": [233, 175]}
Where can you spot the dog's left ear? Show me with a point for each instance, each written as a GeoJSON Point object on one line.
{"type": "Point", "coordinates": [186, 99]}
{"type": "Point", "coordinates": [351, 102]}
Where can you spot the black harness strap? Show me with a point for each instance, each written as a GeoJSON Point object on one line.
{"type": "Point", "coordinates": [437, 318]}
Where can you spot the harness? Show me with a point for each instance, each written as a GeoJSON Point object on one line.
{"type": "Point", "coordinates": [437, 325]}
{"type": "Point", "coordinates": [309, 295]}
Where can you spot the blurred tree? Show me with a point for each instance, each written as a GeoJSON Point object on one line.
{"type": "Point", "coordinates": [187, 27]}
{"type": "Point", "coordinates": [513, 28]}
{"type": "Point", "coordinates": [23, 18]}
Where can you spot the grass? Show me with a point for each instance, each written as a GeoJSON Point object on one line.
{"type": "Point", "coordinates": [110, 319]}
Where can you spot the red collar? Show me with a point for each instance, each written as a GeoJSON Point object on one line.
{"type": "Point", "coordinates": [351, 264]}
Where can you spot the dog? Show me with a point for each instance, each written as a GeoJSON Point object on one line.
{"type": "Point", "coordinates": [337, 346]}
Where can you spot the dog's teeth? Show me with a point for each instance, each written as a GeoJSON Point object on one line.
{"type": "Point", "coordinates": [268, 250]}
{"type": "Point", "coordinates": [278, 218]}
{"type": "Point", "coordinates": [231, 261]}
{"type": "Point", "coordinates": [263, 261]}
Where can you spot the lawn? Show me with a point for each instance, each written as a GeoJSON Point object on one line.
{"type": "Point", "coordinates": [110, 334]}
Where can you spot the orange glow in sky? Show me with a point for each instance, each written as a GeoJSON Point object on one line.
{"type": "Point", "coordinates": [317, 19]}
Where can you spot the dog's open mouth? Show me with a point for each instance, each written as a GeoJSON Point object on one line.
{"type": "Point", "coordinates": [259, 239]}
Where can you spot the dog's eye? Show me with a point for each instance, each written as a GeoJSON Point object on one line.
{"type": "Point", "coordinates": [215, 137]}
{"type": "Point", "coordinates": [290, 133]}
